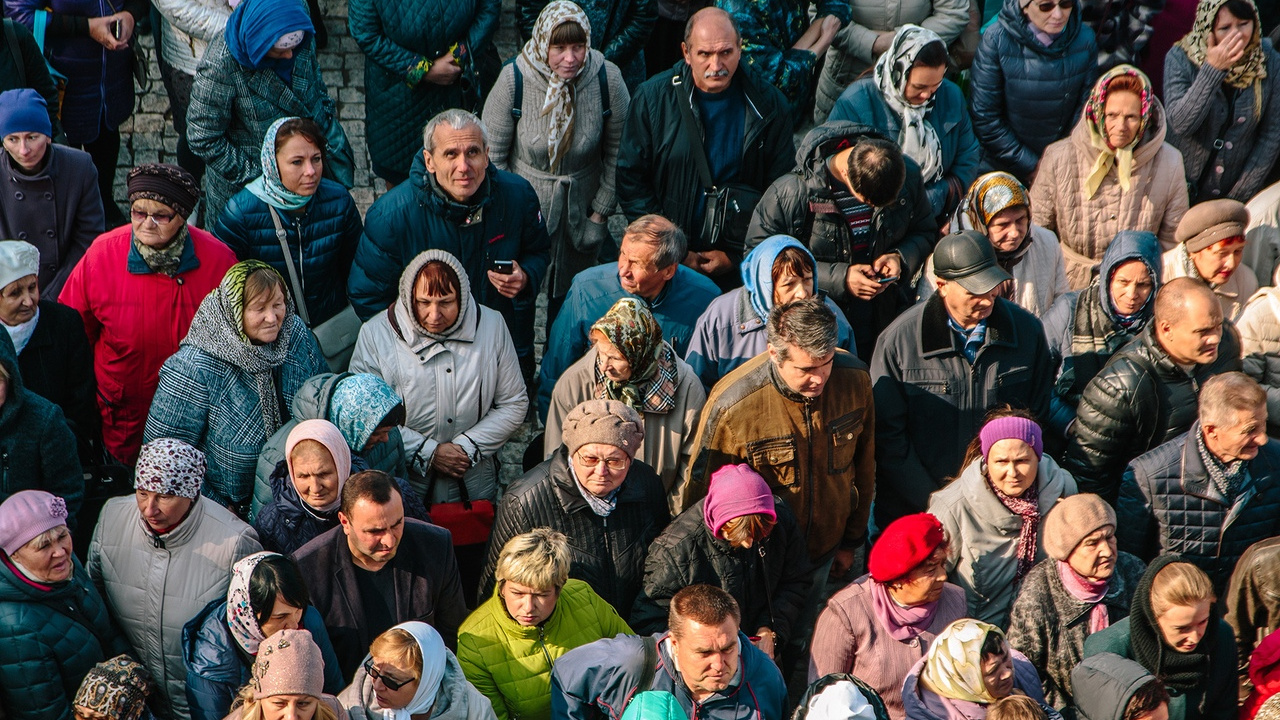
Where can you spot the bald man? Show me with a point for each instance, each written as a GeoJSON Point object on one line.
{"type": "Point", "coordinates": [1146, 395]}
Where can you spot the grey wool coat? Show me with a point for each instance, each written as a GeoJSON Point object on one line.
{"type": "Point", "coordinates": [584, 181]}
{"type": "Point", "coordinates": [1049, 625]}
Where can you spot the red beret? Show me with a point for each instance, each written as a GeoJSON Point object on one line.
{"type": "Point", "coordinates": [907, 542]}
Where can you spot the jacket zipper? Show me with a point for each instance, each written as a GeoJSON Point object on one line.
{"type": "Point", "coordinates": [808, 424]}
{"type": "Point", "coordinates": [542, 643]}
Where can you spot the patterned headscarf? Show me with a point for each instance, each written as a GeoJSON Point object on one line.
{"type": "Point", "coordinates": [218, 329]}
{"type": "Point", "coordinates": [117, 688]}
{"type": "Point", "coordinates": [166, 184]}
{"type": "Point", "coordinates": [558, 102]}
{"type": "Point", "coordinates": [269, 187]}
{"type": "Point", "coordinates": [1249, 70]}
{"type": "Point", "coordinates": [1095, 113]}
{"type": "Point", "coordinates": [918, 139]}
{"type": "Point", "coordinates": [631, 328]}
{"type": "Point", "coordinates": [990, 195]}
{"type": "Point", "coordinates": [241, 621]}
{"type": "Point", "coordinates": [170, 467]}
{"type": "Point", "coordinates": [953, 667]}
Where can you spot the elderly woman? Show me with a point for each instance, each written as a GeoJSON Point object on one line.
{"type": "Point", "coordinates": [879, 625]}
{"type": "Point", "coordinates": [115, 689]}
{"type": "Point", "coordinates": [999, 207]}
{"type": "Point", "coordinates": [507, 646]}
{"type": "Point", "coordinates": [968, 667]}
{"type": "Point", "coordinates": [54, 625]}
{"type": "Point", "coordinates": [630, 362]}
{"type": "Point", "coordinates": [1222, 91]}
{"type": "Point", "coordinates": [1084, 586]}
{"type": "Point", "coordinates": [409, 673]}
{"type": "Point", "coordinates": [51, 196]}
{"type": "Point", "coordinates": [288, 682]}
{"type": "Point", "coordinates": [909, 99]}
{"type": "Point", "coordinates": [731, 331]}
{"type": "Point", "coordinates": [1175, 632]}
{"type": "Point", "coordinates": [291, 209]}
{"type": "Point", "coordinates": [1115, 172]}
{"type": "Point", "coordinates": [594, 490]}
{"type": "Point", "coordinates": [137, 289]}
{"type": "Point", "coordinates": [219, 645]}
{"type": "Point", "coordinates": [224, 390]}
{"type": "Point", "coordinates": [1211, 245]}
{"type": "Point", "coordinates": [306, 487]}
{"type": "Point", "coordinates": [262, 68]}
{"type": "Point", "coordinates": [993, 510]}
{"type": "Point", "coordinates": [1030, 79]}
{"type": "Point", "coordinates": [741, 539]}
{"type": "Point", "coordinates": [566, 145]}
{"type": "Point", "coordinates": [1086, 327]}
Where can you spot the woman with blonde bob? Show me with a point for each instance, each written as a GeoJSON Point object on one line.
{"type": "Point", "coordinates": [507, 646]}
{"type": "Point", "coordinates": [288, 682]}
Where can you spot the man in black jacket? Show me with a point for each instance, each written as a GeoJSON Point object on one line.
{"type": "Point", "coordinates": [706, 111]}
{"type": "Point", "coordinates": [1146, 395]}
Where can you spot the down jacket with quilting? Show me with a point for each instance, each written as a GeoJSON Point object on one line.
{"type": "Point", "coordinates": [511, 664]}
{"type": "Point", "coordinates": [1168, 504]}
{"type": "Point", "coordinates": [1260, 344]}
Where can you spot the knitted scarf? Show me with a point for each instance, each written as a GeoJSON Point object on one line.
{"type": "Point", "coordinates": [1226, 476]}
{"type": "Point", "coordinates": [903, 623]}
{"type": "Point", "coordinates": [164, 260]}
{"type": "Point", "coordinates": [918, 139]}
{"type": "Point", "coordinates": [1087, 591]}
{"type": "Point", "coordinates": [1026, 507]}
{"type": "Point", "coordinates": [1249, 71]}
{"type": "Point", "coordinates": [1182, 672]}
{"type": "Point", "coordinates": [1095, 121]}
{"type": "Point", "coordinates": [558, 102]}
{"type": "Point", "coordinates": [632, 329]}
{"type": "Point", "coordinates": [1095, 337]}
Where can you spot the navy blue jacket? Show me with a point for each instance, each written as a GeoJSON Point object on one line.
{"type": "Point", "coordinates": [322, 239]}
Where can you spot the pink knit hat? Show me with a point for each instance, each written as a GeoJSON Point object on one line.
{"type": "Point", "coordinates": [1012, 427]}
{"type": "Point", "coordinates": [288, 663]}
{"type": "Point", "coordinates": [27, 514]}
{"type": "Point", "coordinates": [736, 490]}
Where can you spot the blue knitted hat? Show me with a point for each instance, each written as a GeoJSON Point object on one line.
{"type": "Point", "coordinates": [24, 110]}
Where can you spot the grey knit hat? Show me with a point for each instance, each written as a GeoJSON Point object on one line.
{"type": "Point", "coordinates": [603, 421]}
{"type": "Point", "coordinates": [1071, 520]}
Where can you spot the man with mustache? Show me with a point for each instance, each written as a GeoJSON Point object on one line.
{"type": "Point", "coordinates": [706, 116]}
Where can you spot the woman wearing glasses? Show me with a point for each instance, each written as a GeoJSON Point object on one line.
{"type": "Point", "coordinates": [137, 289]}
{"type": "Point", "coordinates": [592, 489]}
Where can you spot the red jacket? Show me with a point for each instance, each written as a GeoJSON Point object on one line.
{"type": "Point", "coordinates": [1264, 672]}
{"type": "Point", "coordinates": [135, 319]}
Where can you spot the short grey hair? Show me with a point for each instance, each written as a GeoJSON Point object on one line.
{"type": "Point", "coordinates": [456, 119]}
{"type": "Point", "coordinates": [808, 324]}
{"type": "Point", "coordinates": [661, 233]}
{"type": "Point", "coordinates": [1222, 396]}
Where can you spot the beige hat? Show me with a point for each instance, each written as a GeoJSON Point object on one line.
{"type": "Point", "coordinates": [1211, 221]}
{"type": "Point", "coordinates": [609, 422]}
{"type": "Point", "coordinates": [288, 663]}
{"type": "Point", "coordinates": [1071, 520]}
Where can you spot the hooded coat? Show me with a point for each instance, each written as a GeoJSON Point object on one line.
{"type": "Point", "coordinates": [1025, 95]}
{"type": "Point", "coordinates": [460, 386]}
{"type": "Point", "coordinates": [1095, 324]}
{"type": "Point", "coordinates": [1105, 683]}
{"type": "Point", "coordinates": [732, 331]}
{"type": "Point", "coordinates": [456, 699]}
{"type": "Point", "coordinates": [1260, 342]}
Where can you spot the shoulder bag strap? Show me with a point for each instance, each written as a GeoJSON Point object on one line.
{"type": "Point", "coordinates": [298, 298]}
{"type": "Point", "coordinates": [11, 37]}
{"type": "Point", "coordinates": [607, 107]}
{"type": "Point", "coordinates": [691, 133]}
{"type": "Point", "coordinates": [517, 93]}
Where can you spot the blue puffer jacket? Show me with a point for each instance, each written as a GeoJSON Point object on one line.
{"type": "Point", "coordinates": [1026, 95]}
{"type": "Point", "coordinates": [322, 239]}
{"type": "Point", "coordinates": [217, 668]}
{"type": "Point", "coordinates": [44, 653]}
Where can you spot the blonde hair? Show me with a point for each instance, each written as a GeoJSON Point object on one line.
{"type": "Point", "coordinates": [1179, 584]}
{"type": "Point", "coordinates": [399, 648]}
{"type": "Point", "coordinates": [252, 709]}
{"type": "Point", "coordinates": [1016, 707]}
{"type": "Point", "coordinates": [538, 559]}
{"type": "Point", "coordinates": [754, 527]}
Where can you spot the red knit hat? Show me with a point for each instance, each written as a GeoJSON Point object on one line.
{"type": "Point", "coordinates": [907, 542]}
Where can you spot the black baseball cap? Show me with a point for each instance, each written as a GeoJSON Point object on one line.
{"type": "Point", "coordinates": [966, 256]}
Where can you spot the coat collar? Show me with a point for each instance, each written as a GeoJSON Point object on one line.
{"type": "Point", "coordinates": [571, 501]}
{"type": "Point", "coordinates": [137, 266]}
{"type": "Point", "coordinates": [1195, 476]}
{"type": "Point", "coordinates": [936, 337]}
{"type": "Point", "coordinates": [180, 535]}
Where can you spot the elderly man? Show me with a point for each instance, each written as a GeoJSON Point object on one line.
{"type": "Point", "coordinates": [1211, 245]}
{"type": "Point", "coordinates": [942, 365]}
{"type": "Point", "coordinates": [378, 569]}
{"type": "Point", "coordinates": [159, 557]}
{"type": "Point", "coordinates": [860, 207]}
{"type": "Point", "coordinates": [1210, 493]}
{"type": "Point", "coordinates": [648, 269]}
{"type": "Point", "coordinates": [1146, 395]}
{"type": "Point", "coordinates": [706, 126]}
{"type": "Point", "coordinates": [454, 201]}
{"type": "Point", "coordinates": [704, 660]}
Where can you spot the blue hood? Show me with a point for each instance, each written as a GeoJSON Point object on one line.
{"type": "Point", "coordinates": [1125, 246]}
{"type": "Point", "coordinates": [757, 271]}
{"type": "Point", "coordinates": [360, 403]}
{"type": "Point", "coordinates": [256, 25]}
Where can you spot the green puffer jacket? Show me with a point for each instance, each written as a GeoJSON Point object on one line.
{"type": "Point", "coordinates": [511, 664]}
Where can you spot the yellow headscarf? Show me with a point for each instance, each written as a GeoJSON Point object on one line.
{"type": "Point", "coordinates": [1095, 113]}
{"type": "Point", "coordinates": [953, 668]}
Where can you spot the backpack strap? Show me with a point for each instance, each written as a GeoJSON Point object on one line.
{"type": "Point", "coordinates": [606, 106]}
{"type": "Point", "coordinates": [518, 92]}
{"type": "Point", "coordinates": [11, 37]}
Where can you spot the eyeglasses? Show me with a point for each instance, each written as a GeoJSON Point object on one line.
{"type": "Point", "coordinates": [157, 218]}
{"type": "Point", "coordinates": [1047, 7]}
{"type": "Point", "coordinates": [392, 685]}
{"type": "Point", "coordinates": [613, 464]}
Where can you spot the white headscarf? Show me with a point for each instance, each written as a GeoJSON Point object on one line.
{"type": "Point", "coordinates": [918, 139]}
{"type": "Point", "coordinates": [434, 660]}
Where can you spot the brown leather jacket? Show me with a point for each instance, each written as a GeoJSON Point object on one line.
{"type": "Point", "coordinates": [1253, 597]}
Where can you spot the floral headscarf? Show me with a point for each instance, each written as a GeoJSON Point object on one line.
{"type": "Point", "coordinates": [241, 621]}
{"type": "Point", "coordinates": [1249, 70]}
{"type": "Point", "coordinates": [1095, 113]}
{"type": "Point", "coordinates": [918, 139]}
{"type": "Point", "coordinates": [630, 327]}
{"type": "Point", "coordinates": [117, 688]}
{"type": "Point", "coordinates": [269, 187]}
{"type": "Point", "coordinates": [953, 667]}
{"type": "Point", "coordinates": [990, 195]}
{"type": "Point", "coordinates": [558, 102]}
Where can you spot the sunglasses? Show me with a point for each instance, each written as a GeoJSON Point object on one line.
{"type": "Point", "coordinates": [391, 685]}
{"type": "Point", "coordinates": [1047, 7]}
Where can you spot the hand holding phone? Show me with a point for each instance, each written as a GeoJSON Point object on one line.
{"type": "Point", "coordinates": [117, 29]}
{"type": "Point", "coordinates": [503, 267]}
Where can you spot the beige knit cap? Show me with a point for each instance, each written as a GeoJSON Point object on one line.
{"type": "Point", "coordinates": [1211, 221]}
{"type": "Point", "coordinates": [609, 422]}
{"type": "Point", "coordinates": [288, 663]}
{"type": "Point", "coordinates": [1071, 520]}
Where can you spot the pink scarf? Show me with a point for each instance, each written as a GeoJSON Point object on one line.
{"type": "Point", "coordinates": [1026, 507]}
{"type": "Point", "coordinates": [903, 623]}
{"type": "Point", "coordinates": [1087, 591]}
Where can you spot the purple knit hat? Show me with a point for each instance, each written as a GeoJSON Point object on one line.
{"type": "Point", "coordinates": [27, 514]}
{"type": "Point", "coordinates": [1012, 428]}
{"type": "Point", "coordinates": [736, 490]}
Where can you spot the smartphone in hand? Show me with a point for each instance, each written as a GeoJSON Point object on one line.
{"type": "Point", "coordinates": [117, 29]}
{"type": "Point", "coordinates": [503, 267]}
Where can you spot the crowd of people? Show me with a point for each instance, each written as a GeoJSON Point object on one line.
{"type": "Point", "coordinates": [931, 378]}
